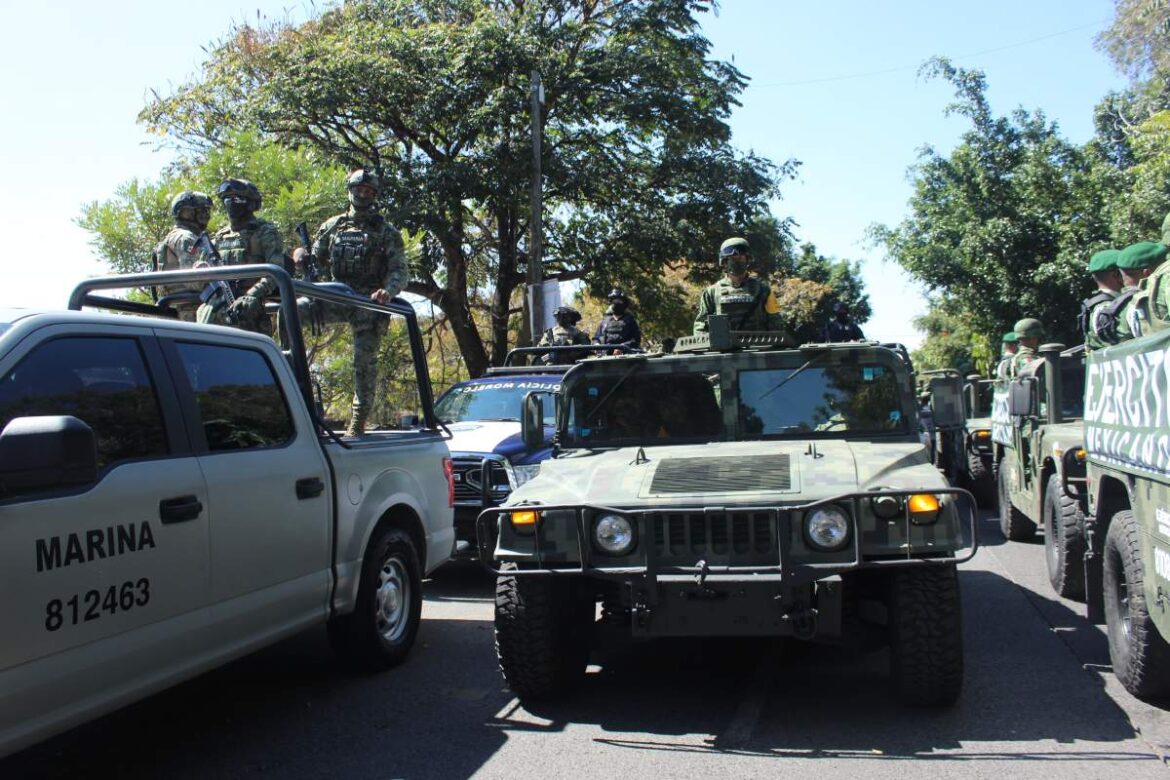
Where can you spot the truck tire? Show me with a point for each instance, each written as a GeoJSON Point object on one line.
{"type": "Point", "coordinates": [1015, 524]}
{"type": "Point", "coordinates": [926, 635]}
{"type": "Point", "coordinates": [1140, 655]}
{"type": "Point", "coordinates": [380, 631]}
{"type": "Point", "coordinates": [1064, 541]}
{"type": "Point", "coordinates": [981, 480]}
{"type": "Point", "coordinates": [543, 634]}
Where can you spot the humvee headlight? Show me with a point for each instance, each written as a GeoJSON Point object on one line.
{"type": "Point", "coordinates": [613, 534]}
{"type": "Point", "coordinates": [525, 518]}
{"type": "Point", "coordinates": [982, 434]}
{"type": "Point", "coordinates": [923, 508]}
{"type": "Point", "coordinates": [886, 507]}
{"type": "Point", "coordinates": [827, 528]}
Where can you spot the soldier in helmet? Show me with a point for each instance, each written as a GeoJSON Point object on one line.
{"type": "Point", "coordinates": [748, 301]}
{"type": "Point", "coordinates": [566, 333]}
{"type": "Point", "coordinates": [361, 249]}
{"type": "Point", "coordinates": [178, 251]}
{"type": "Point", "coordinates": [618, 328]}
{"type": "Point", "coordinates": [841, 327]}
{"type": "Point", "coordinates": [1029, 331]}
{"type": "Point", "coordinates": [243, 241]}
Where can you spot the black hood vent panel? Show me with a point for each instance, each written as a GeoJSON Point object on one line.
{"type": "Point", "coordinates": [734, 474]}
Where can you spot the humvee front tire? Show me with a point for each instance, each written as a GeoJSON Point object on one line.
{"type": "Point", "coordinates": [380, 631]}
{"type": "Point", "coordinates": [543, 634]}
{"type": "Point", "coordinates": [1064, 541]}
{"type": "Point", "coordinates": [926, 635]}
{"type": "Point", "coordinates": [981, 479]}
{"type": "Point", "coordinates": [1015, 524]}
{"type": "Point", "coordinates": [1140, 655]}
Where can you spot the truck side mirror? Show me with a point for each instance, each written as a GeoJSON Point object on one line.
{"type": "Point", "coordinates": [1020, 402]}
{"type": "Point", "coordinates": [532, 420]}
{"type": "Point", "coordinates": [946, 399]}
{"type": "Point", "coordinates": [44, 453]}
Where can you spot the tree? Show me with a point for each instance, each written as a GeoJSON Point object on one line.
{"type": "Point", "coordinates": [1136, 40]}
{"type": "Point", "coordinates": [1005, 224]}
{"type": "Point", "coordinates": [951, 342]}
{"type": "Point", "coordinates": [434, 94]}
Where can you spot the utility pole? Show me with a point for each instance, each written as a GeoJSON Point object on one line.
{"type": "Point", "coordinates": [536, 237]}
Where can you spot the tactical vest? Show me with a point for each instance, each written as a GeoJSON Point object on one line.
{"type": "Point", "coordinates": [1087, 305]}
{"type": "Point", "coordinates": [614, 331]}
{"type": "Point", "coordinates": [561, 337]}
{"type": "Point", "coordinates": [357, 253]}
{"type": "Point", "coordinates": [739, 303]}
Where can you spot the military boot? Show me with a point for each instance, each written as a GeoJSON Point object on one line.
{"type": "Point", "coordinates": [357, 423]}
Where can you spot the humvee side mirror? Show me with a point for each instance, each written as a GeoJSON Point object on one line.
{"type": "Point", "coordinates": [532, 420]}
{"type": "Point", "coordinates": [1020, 402]}
{"type": "Point", "coordinates": [946, 399]}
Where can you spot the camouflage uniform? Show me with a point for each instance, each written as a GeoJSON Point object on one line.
{"type": "Point", "coordinates": [1027, 328]}
{"type": "Point", "coordinates": [1094, 319]}
{"type": "Point", "coordinates": [178, 251]}
{"type": "Point", "coordinates": [359, 248]}
{"type": "Point", "coordinates": [1026, 356]}
{"type": "Point", "coordinates": [563, 336]}
{"type": "Point", "coordinates": [751, 306]}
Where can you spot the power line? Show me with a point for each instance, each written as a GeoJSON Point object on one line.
{"type": "Point", "coordinates": [904, 68]}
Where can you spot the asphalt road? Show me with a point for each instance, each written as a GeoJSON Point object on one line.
{"type": "Point", "coordinates": [1039, 701]}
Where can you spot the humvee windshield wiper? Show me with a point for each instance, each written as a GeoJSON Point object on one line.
{"type": "Point", "coordinates": [795, 373]}
{"type": "Point", "coordinates": [612, 390]}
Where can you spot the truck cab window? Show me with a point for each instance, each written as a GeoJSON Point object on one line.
{"type": "Point", "coordinates": [239, 400]}
{"type": "Point", "coordinates": [101, 381]}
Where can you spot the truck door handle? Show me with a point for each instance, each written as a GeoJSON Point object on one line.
{"type": "Point", "coordinates": [310, 487]}
{"type": "Point", "coordinates": [178, 510]}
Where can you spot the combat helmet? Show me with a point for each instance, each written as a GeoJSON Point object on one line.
{"type": "Point", "coordinates": [240, 188]}
{"type": "Point", "coordinates": [569, 313]}
{"type": "Point", "coordinates": [198, 204]}
{"type": "Point", "coordinates": [362, 176]}
{"type": "Point", "coordinates": [617, 294]}
{"type": "Point", "coordinates": [1029, 328]}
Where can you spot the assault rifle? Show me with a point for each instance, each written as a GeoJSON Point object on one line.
{"type": "Point", "coordinates": [217, 294]}
{"type": "Point", "coordinates": [311, 273]}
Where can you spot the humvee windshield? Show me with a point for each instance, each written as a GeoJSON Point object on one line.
{"type": "Point", "coordinates": [651, 405]}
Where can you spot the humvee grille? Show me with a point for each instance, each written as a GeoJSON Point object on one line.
{"type": "Point", "coordinates": [742, 538]}
{"type": "Point", "coordinates": [736, 474]}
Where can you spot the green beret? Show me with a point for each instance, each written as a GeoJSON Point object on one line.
{"type": "Point", "coordinates": [1143, 254]}
{"type": "Point", "coordinates": [1104, 260]}
{"type": "Point", "coordinates": [1011, 338]}
{"type": "Point", "coordinates": [1029, 328]}
{"type": "Point", "coordinates": [734, 243]}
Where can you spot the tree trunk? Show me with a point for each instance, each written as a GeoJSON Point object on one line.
{"type": "Point", "coordinates": [453, 301]}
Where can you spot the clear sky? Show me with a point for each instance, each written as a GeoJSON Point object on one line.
{"type": "Point", "coordinates": [834, 85]}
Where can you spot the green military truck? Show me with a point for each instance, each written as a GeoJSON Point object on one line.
{"type": "Point", "coordinates": [978, 449]}
{"type": "Point", "coordinates": [732, 488]}
{"type": "Point", "coordinates": [962, 440]}
{"type": "Point", "coordinates": [1127, 527]}
{"type": "Point", "coordinates": [1038, 436]}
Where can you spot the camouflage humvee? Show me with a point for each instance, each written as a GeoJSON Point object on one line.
{"type": "Point", "coordinates": [736, 491]}
{"type": "Point", "coordinates": [1127, 528]}
{"type": "Point", "coordinates": [979, 451]}
{"type": "Point", "coordinates": [1039, 440]}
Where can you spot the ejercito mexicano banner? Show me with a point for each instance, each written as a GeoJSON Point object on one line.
{"type": "Point", "coordinates": [1127, 404]}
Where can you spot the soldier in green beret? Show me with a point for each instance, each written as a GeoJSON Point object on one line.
{"type": "Point", "coordinates": [1029, 331]}
{"type": "Point", "coordinates": [748, 300]}
{"type": "Point", "coordinates": [1128, 319]}
{"type": "Point", "coordinates": [1103, 268]}
{"type": "Point", "coordinates": [1010, 344]}
{"type": "Point", "coordinates": [1153, 304]}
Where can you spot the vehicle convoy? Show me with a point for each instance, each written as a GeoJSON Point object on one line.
{"type": "Point", "coordinates": [1127, 526]}
{"type": "Point", "coordinates": [978, 476]}
{"type": "Point", "coordinates": [731, 488]}
{"type": "Point", "coordinates": [1039, 440]}
{"type": "Point", "coordinates": [170, 500]}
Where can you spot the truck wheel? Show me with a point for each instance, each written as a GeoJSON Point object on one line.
{"type": "Point", "coordinates": [1064, 541]}
{"type": "Point", "coordinates": [981, 479]}
{"type": "Point", "coordinates": [1140, 655]}
{"type": "Point", "coordinates": [380, 631]}
{"type": "Point", "coordinates": [543, 634]}
{"type": "Point", "coordinates": [926, 635]}
{"type": "Point", "coordinates": [1015, 524]}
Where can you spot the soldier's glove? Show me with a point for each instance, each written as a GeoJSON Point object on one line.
{"type": "Point", "coordinates": [247, 306]}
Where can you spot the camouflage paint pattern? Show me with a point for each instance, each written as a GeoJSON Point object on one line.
{"type": "Point", "coordinates": [741, 304]}
{"type": "Point", "coordinates": [178, 252]}
{"type": "Point", "coordinates": [256, 241]}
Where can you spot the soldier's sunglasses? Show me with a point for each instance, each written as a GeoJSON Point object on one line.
{"type": "Point", "coordinates": [733, 250]}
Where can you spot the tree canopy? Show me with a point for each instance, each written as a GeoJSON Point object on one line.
{"type": "Point", "coordinates": [638, 165]}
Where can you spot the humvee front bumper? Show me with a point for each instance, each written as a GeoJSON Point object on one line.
{"type": "Point", "coordinates": [739, 570]}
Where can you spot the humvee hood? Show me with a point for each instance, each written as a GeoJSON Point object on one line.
{"type": "Point", "coordinates": [726, 473]}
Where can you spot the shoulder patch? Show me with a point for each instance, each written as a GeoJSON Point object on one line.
{"type": "Point", "coordinates": [771, 305]}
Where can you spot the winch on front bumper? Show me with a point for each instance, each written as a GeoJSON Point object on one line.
{"type": "Point", "coordinates": [740, 570]}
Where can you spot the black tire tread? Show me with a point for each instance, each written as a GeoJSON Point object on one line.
{"type": "Point", "coordinates": [981, 480]}
{"type": "Point", "coordinates": [926, 635]}
{"type": "Point", "coordinates": [541, 642]}
{"type": "Point", "coordinates": [1142, 664]}
{"type": "Point", "coordinates": [1064, 529]}
{"type": "Point", "coordinates": [1016, 526]}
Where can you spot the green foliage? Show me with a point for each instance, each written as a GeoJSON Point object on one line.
{"type": "Point", "coordinates": [1136, 39]}
{"type": "Point", "coordinates": [1005, 224]}
{"type": "Point", "coordinates": [434, 94]}
{"type": "Point", "coordinates": [952, 342]}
